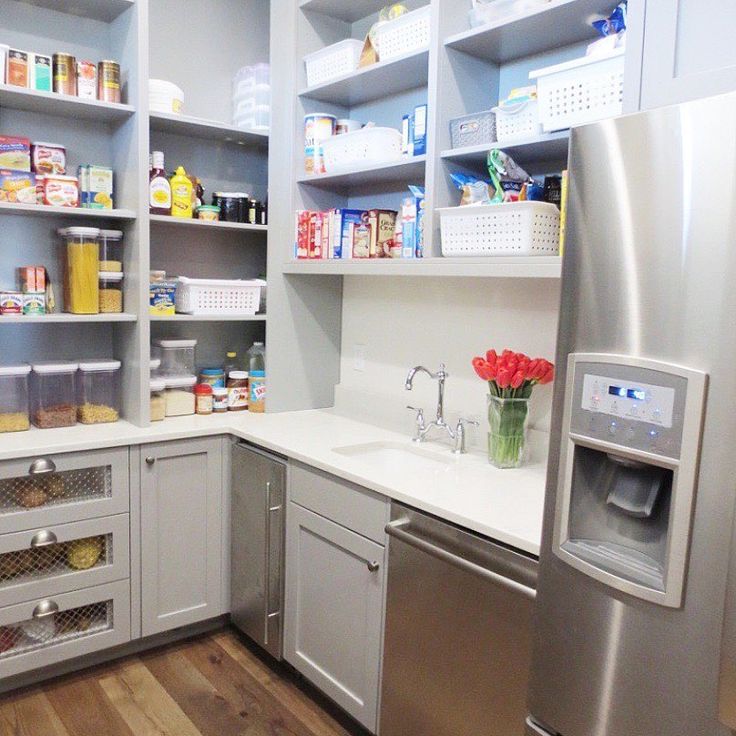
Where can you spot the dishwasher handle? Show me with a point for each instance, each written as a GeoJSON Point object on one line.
{"type": "Point", "coordinates": [397, 529]}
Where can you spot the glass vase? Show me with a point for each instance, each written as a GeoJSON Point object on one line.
{"type": "Point", "coordinates": [507, 438]}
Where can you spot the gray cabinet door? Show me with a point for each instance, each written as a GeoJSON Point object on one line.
{"type": "Point", "coordinates": [688, 51]}
{"type": "Point", "coordinates": [181, 533]}
{"type": "Point", "coordinates": [333, 610]}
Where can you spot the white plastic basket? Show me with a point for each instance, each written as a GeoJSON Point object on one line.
{"type": "Point", "coordinates": [407, 33]}
{"type": "Point", "coordinates": [580, 91]}
{"type": "Point", "coordinates": [333, 61]}
{"type": "Point", "coordinates": [218, 296]}
{"type": "Point", "coordinates": [508, 229]}
{"type": "Point", "coordinates": [366, 146]}
{"type": "Point", "coordinates": [517, 122]}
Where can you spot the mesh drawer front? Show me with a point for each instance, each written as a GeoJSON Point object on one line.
{"type": "Point", "coordinates": [38, 633]}
{"type": "Point", "coordinates": [70, 486]}
{"type": "Point", "coordinates": [25, 565]}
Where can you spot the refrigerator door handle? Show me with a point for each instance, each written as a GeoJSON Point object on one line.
{"type": "Point", "coordinates": [534, 729]}
{"type": "Point", "coordinates": [398, 528]}
{"type": "Point", "coordinates": [271, 520]}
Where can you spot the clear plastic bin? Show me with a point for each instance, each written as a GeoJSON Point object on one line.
{"type": "Point", "coordinates": [111, 250]}
{"type": "Point", "coordinates": [81, 266]}
{"type": "Point", "coordinates": [98, 391]}
{"type": "Point", "coordinates": [180, 395]}
{"type": "Point", "coordinates": [158, 399]}
{"type": "Point", "coordinates": [262, 74]}
{"type": "Point", "coordinates": [111, 292]}
{"type": "Point", "coordinates": [14, 414]}
{"type": "Point", "coordinates": [177, 356]}
{"type": "Point", "coordinates": [53, 395]}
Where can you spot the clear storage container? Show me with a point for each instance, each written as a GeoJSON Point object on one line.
{"type": "Point", "coordinates": [111, 292]}
{"type": "Point", "coordinates": [180, 395]}
{"type": "Point", "coordinates": [81, 266]}
{"type": "Point", "coordinates": [177, 356]}
{"type": "Point", "coordinates": [98, 391]}
{"type": "Point", "coordinates": [53, 396]}
{"type": "Point", "coordinates": [14, 414]}
{"type": "Point", "coordinates": [158, 399]}
{"type": "Point", "coordinates": [111, 250]}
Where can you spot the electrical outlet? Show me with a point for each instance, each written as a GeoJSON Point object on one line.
{"type": "Point", "coordinates": [360, 352]}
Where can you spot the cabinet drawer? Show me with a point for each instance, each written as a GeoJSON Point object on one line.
{"type": "Point", "coordinates": [49, 630]}
{"type": "Point", "coordinates": [55, 559]}
{"type": "Point", "coordinates": [38, 491]}
{"type": "Point", "coordinates": [351, 506]}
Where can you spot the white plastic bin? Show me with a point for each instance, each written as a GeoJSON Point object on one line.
{"type": "Point", "coordinates": [580, 91]}
{"type": "Point", "coordinates": [218, 296]}
{"type": "Point", "coordinates": [165, 96]}
{"type": "Point", "coordinates": [508, 229]}
{"type": "Point", "coordinates": [407, 33]}
{"type": "Point", "coordinates": [362, 147]}
{"type": "Point", "coordinates": [517, 122]}
{"type": "Point", "coordinates": [332, 61]}
{"type": "Point", "coordinates": [499, 10]}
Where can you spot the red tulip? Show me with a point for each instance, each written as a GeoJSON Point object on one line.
{"type": "Point", "coordinates": [518, 379]}
{"type": "Point", "coordinates": [492, 357]}
{"type": "Point", "coordinates": [479, 365]}
{"type": "Point", "coordinates": [503, 379]}
{"type": "Point", "coordinates": [532, 369]}
{"type": "Point", "coordinates": [548, 376]}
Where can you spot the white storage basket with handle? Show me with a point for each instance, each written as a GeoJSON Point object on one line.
{"type": "Point", "coordinates": [407, 33]}
{"type": "Point", "coordinates": [218, 296]}
{"type": "Point", "coordinates": [332, 61]}
{"type": "Point", "coordinates": [580, 91]}
{"type": "Point", "coordinates": [515, 122]}
{"type": "Point", "coordinates": [508, 229]}
{"type": "Point", "coordinates": [361, 148]}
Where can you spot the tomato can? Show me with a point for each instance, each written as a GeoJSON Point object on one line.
{"type": "Point", "coordinates": [108, 81]}
{"type": "Point", "coordinates": [65, 74]}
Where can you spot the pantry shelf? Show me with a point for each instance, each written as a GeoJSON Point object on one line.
{"type": "Point", "coordinates": [350, 12]}
{"type": "Point", "coordinates": [544, 28]}
{"type": "Point", "coordinates": [374, 82]}
{"type": "Point", "coordinates": [551, 148]}
{"type": "Point", "coordinates": [408, 170]}
{"type": "Point", "coordinates": [25, 319]}
{"type": "Point", "coordinates": [106, 10]}
{"type": "Point", "coordinates": [50, 103]}
{"type": "Point", "coordinates": [209, 318]}
{"type": "Point", "coordinates": [207, 129]}
{"type": "Point", "coordinates": [191, 222]}
{"type": "Point", "coordinates": [538, 267]}
{"type": "Point", "coordinates": [40, 210]}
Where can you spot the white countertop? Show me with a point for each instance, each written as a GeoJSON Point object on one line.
{"type": "Point", "coordinates": [505, 505]}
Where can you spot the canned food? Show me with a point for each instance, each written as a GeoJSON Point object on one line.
{"type": "Point", "coordinates": [65, 74]}
{"type": "Point", "coordinates": [317, 127]}
{"type": "Point", "coordinates": [108, 81]}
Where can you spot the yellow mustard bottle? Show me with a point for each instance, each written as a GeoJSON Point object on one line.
{"type": "Point", "coordinates": [181, 194]}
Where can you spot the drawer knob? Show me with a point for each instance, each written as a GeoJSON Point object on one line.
{"type": "Point", "coordinates": [41, 466]}
{"type": "Point", "coordinates": [43, 539]}
{"type": "Point", "coordinates": [45, 609]}
{"type": "Point", "coordinates": [373, 566]}
{"type": "Point", "coordinates": [150, 460]}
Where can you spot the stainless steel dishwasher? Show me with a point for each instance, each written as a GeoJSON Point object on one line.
{"type": "Point", "coordinates": [457, 643]}
{"type": "Point", "coordinates": [256, 585]}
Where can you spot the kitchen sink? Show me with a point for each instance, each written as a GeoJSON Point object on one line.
{"type": "Point", "coordinates": [404, 457]}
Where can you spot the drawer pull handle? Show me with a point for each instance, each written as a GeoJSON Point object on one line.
{"type": "Point", "coordinates": [43, 539]}
{"type": "Point", "coordinates": [150, 460]}
{"type": "Point", "coordinates": [373, 566]}
{"type": "Point", "coordinates": [42, 466]}
{"type": "Point", "coordinates": [45, 609]}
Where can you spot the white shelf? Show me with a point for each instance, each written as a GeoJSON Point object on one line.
{"type": "Point", "coordinates": [535, 267]}
{"type": "Point", "coordinates": [28, 319]}
{"type": "Point", "coordinates": [350, 10]}
{"type": "Point", "coordinates": [374, 82]}
{"type": "Point", "coordinates": [42, 210]}
{"type": "Point", "coordinates": [561, 23]}
{"type": "Point", "coordinates": [209, 318]}
{"type": "Point", "coordinates": [50, 103]}
{"type": "Point", "coordinates": [403, 171]}
{"type": "Point", "coordinates": [552, 148]}
{"type": "Point", "coordinates": [206, 224]}
{"type": "Point", "coordinates": [207, 129]}
{"type": "Point", "coordinates": [106, 10]}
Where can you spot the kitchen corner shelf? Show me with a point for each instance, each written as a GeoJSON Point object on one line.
{"type": "Point", "coordinates": [50, 103]}
{"type": "Point", "coordinates": [209, 318]}
{"type": "Point", "coordinates": [41, 210]}
{"type": "Point", "coordinates": [105, 10]}
{"type": "Point", "coordinates": [547, 27]}
{"type": "Point", "coordinates": [207, 129]}
{"type": "Point", "coordinates": [38, 319]}
{"type": "Point", "coordinates": [206, 224]}
{"type": "Point", "coordinates": [374, 82]}
{"type": "Point", "coordinates": [405, 170]}
{"type": "Point", "coordinates": [535, 267]}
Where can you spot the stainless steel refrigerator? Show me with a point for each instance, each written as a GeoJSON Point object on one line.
{"type": "Point", "coordinates": [633, 589]}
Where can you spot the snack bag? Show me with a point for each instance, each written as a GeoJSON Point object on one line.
{"type": "Point", "coordinates": [474, 191]}
{"type": "Point", "coordinates": [507, 177]}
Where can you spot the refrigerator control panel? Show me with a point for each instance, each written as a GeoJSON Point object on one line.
{"type": "Point", "coordinates": [633, 400]}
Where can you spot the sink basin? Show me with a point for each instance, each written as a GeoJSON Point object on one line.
{"type": "Point", "coordinates": [395, 455]}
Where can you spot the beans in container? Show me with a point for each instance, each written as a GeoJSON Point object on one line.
{"type": "Point", "coordinates": [108, 81]}
{"type": "Point", "coordinates": [48, 158]}
{"type": "Point", "coordinates": [65, 74]}
{"type": "Point", "coordinates": [87, 80]}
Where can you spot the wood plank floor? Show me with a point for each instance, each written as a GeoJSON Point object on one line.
{"type": "Point", "coordinates": [212, 685]}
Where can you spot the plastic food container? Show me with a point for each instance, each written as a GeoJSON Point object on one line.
{"type": "Point", "coordinates": [209, 212]}
{"type": "Point", "coordinates": [98, 391]}
{"type": "Point", "coordinates": [14, 415]}
{"type": "Point", "coordinates": [177, 356]}
{"type": "Point", "coordinates": [111, 250]}
{"type": "Point", "coordinates": [204, 399]}
{"type": "Point", "coordinates": [154, 364]}
{"type": "Point", "coordinates": [111, 292]}
{"type": "Point", "coordinates": [81, 266]}
{"type": "Point", "coordinates": [53, 396]}
{"type": "Point", "coordinates": [179, 395]}
{"type": "Point", "coordinates": [165, 97]}
{"type": "Point", "coordinates": [158, 399]}
{"type": "Point", "coordinates": [333, 61]}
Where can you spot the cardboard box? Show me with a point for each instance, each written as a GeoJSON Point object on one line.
{"type": "Point", "coordinates": [39, 66]}
{"type": "Point", "coordinates": [419, 136]}
{"type": "Point", "coordinates": [17, 187]}
{"type": "Point", "coordinates": [100, 188]}
{"type": "Point", "coordinates": [15, 153]}
{"type": "Point", "coordinates": [17, 71]}
{"type": "Point", "coordinates": [32, 279]}
{"type": "Point", "coordinates": [383, 225]}
{"type": "Point", "coordinates": [34, 303]}
{"type": "Point", "coordinates": [350, 220]}
{"type": "Point", "coordinates": [11, 302]}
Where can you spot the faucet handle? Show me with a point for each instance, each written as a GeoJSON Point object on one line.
{"type": "Point", "coordinates": [462, 422]}
{"type": "Point", "coordinates": [460, 448]}
{"type": "Point", "coordinates": [420, 414]}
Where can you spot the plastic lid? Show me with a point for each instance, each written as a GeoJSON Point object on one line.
{"type": "Point", "coordinates": [111, 234]}
{"type": "Point", "coordinates": [158, 384]}
{"type": "Point", "coordinates": [208, 208]}
{"type": "Point", "coordinates": [52, 367]}
{"type": "Point", "coordinates": [154, 364]}
{"type": "Point", "coordinates": [91, 232]}
{"type": "Point", "coordinates": [93, 366]}
{"type": "Point", "coordinates": [174, 343]}
{"type": "Point", "coordinates": [219, 391]}
{"type": "Point", "coordinates": [257, 374]}
{"type": "Point", "coordinates": [231, 354]}
{"type": "Point", "coordinates": [110, 275]}
{"type": "Point", "coordinates": [211, 371]}
{"type": "Point", "coordinates": [231, 195]}
{"type": "Point", "coordinates": [180, 381]}
{"type": "Point", "coordinates": [22, 369]}
{"type": "Point", "coordinates": [258, 344]}
{"type": "Point", "coordinates": [48, 145]}
{"type": "Point", "coordinates": [319, 115]}
{"type": "Point", "coordinates": [238, 375]}
{"type": "Point", "coordinates": [204, 389]}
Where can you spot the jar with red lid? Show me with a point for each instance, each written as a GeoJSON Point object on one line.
{"type": "Point", "coordinates": [203, 399]}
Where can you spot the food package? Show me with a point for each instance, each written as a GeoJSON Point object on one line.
{"type": "Point", "coordinates": [473, 190]}
{"type": "Point", "coordinates": [96, 187]}
{"type": "Point", "coordinates": [17, 187]}
{"type": "Point", "coordinates": [18, 73]}
{"type": "Point", "coordinates": [60, 191]}
{"type": "Point", "coordinates": [382, 224]}
{"type": "Point", "coordinates": [87, 80]}
{"type": "Point", "coordinates": [48, 158]}
{"type": "Point", "coordinates": [40, 72]}
{"type": "Point", "coordinates": [162, 298]}
{"type": "Point", "coordinates": [11, 302]}
{"type": "Point", "coordinates": [34, 303]}
{"type": "Point", "coordinates": [615, 23]}
{"type": "Point", "coordinates": [31, 279]}
{"type": "Point", "coordinates": [15, 153]}
{"type": "Point", "coordinates": [507, 177]}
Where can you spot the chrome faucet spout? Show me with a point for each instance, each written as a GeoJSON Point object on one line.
{"type": "Point", "coordinates": [439, 422]}
{"type": "Point", "coordinates": [409, 384]}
